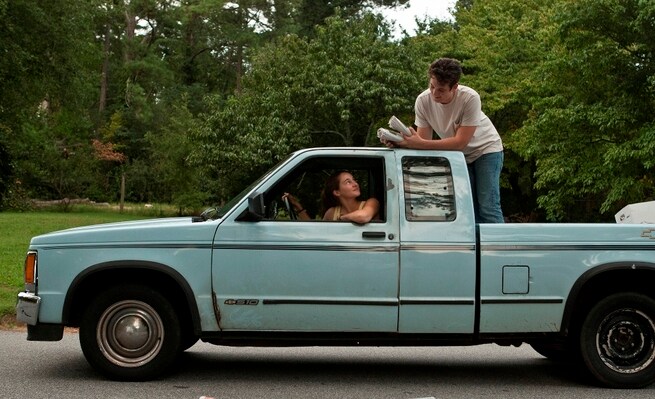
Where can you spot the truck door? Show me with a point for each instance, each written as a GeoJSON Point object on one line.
{"type": "Point", "coordinates": [437, 252]}
{"type": "Point", "coordinates": [278, 274]}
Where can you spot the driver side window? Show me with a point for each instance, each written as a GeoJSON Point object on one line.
{"type": "Point", "coordinates": [306, 184]}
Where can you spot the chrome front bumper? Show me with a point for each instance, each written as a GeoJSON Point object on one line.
{"type": "Point", "coordinates": [27, 308]}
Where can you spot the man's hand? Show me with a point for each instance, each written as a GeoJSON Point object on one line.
{"type": "Point", "coordinates": [388, 143]}
{"type": "Point", "coordinates": [413, 141]}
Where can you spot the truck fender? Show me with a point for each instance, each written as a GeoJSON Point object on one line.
{"type": "Point", "coordinates": [134, 267]}
{"type": "Point", "coordinates": [604, 280]}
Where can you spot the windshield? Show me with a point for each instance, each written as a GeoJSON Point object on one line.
{"type": "Point", "coordinates": [236, 199]}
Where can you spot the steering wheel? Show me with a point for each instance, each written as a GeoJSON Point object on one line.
{"type": "Point", "coordinates": [290, 211]}
{"type": "Point", "coordinates": [272, 210]}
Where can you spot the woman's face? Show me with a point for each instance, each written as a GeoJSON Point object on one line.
{"type": "Point", "coordinates": [348, 186]}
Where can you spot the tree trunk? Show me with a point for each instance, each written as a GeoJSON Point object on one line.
{"type": "Point", "coordinates": [130, 33]}
{"type": "Point", "coordinates": [122, 201]}
{"type": "Point", "coordinates": [102, 102]}
{"type": "Point", "coordinates": [239, 68]}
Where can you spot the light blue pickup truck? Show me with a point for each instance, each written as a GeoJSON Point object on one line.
{"type": "Point", "coordinates": [251, 273]}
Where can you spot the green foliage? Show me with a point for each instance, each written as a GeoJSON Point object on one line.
{"type": "Point", "coordinates": [47, 51]}
{"type": "Point", "coordinates": [54, 159]}
{"type": "Point", "coordinates": [173, 179]}
{"type": "Point", "coordinates": [537, 64]}
{"type": "Point", "coordinates": [500, 43]}
{"type": "Point", "coordinates": [591, 124]}
{"type": "Point", "coordinates": [46, 48]}
{"type": "Point", "coordinates": [202, 95]}
{"type": "Point", "coordinates": [16, 198]}
{"type": "Point", "coordinates": [334, 89]}
{"type": "Point", "coordinates": [5, 172]}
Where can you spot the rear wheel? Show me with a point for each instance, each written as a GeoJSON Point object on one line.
{"type": "Point", "coordinates": [130, 333]}
{"type": "Point", "coordinates": [617, 341]}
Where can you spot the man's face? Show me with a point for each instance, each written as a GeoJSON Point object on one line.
{"type": "Point", "coordinates": [441, 93]}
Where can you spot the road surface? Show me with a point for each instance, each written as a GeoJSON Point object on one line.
{"type": "Point", "coordinates": [59, 370]}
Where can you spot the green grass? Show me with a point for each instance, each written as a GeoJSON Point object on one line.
{"type": "Point", "coordinates": [16, 230]}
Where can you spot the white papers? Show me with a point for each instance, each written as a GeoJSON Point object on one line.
{"type": "Point", "coordinates": [396, 124]}
{"type": "Point", "coordinates": [385, 134]}
{"type": "Point", "coordinates": [395, 134]}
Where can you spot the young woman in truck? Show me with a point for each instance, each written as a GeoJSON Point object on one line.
{"type": "Point", "coordinates": [340, 199]}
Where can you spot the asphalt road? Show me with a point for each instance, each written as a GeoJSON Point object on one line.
{"type": "Point", "coordinates": [59, 370]}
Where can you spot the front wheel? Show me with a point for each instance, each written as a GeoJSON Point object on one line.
{"type": "Point", "coordinates": [617, 341]}
{"type": "Point", "coordinates": [130, 333]}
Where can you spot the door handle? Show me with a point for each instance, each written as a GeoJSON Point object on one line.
{"type": "Point", "coordinates": [374, 234]}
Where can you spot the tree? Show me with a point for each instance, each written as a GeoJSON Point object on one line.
{"type": "Point", "coordinates": [47, 48]}
{"type": "Point", "coordinates": [165, 174]}
{"type": "Point", "coordinates": [579, 144]}
{"type": "Point", "coordinates": [335, 89]}
{"type": "Point", "coordinates": [591, 128]}
{"type": "Point", "coordinates": [75, 71]}
{"type": "Point", "coordinates": [500, 43]}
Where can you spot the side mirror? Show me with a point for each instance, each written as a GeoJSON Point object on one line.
{"type": "Point", "coordinates": [256, 207]}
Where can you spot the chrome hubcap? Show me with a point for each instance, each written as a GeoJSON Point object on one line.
{"type": "Point", "coordinates": [130, 333]}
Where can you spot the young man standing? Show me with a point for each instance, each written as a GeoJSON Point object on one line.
{"type": "Point", "coordinates": [454, 112]}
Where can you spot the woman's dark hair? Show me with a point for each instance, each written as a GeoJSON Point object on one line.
{"type": "Point", "coordinates": [446, 71]}
{"type": "Point", "coordinates": [331, 184]}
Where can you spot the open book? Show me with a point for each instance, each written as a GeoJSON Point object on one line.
{"type": "Point", "coordinates": [394, 134]}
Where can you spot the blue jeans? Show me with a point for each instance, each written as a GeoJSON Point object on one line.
{"type": "Point", "coordinates": [484, 173]}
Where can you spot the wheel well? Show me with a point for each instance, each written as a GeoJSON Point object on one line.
{"type": "Point", "coordinates": [85, 287]}
{"type": "Point", "coordinates": [588, 291]}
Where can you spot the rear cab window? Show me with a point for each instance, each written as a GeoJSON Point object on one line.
{"type": "Point", "coordinates": [429, 189]}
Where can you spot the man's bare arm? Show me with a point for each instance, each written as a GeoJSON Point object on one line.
{"type": "Point", "coordinates": [421, 139]}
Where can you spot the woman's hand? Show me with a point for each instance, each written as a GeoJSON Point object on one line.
{"type": "Point", "coordinates": [297, 206]}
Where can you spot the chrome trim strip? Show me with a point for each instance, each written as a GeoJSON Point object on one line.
{"type": "Point", "coordinates": [276, 247]}
{"type": "Point", "coordinates": [468, 302]}
{"type": "Point", "coordinates": [329, 302]}
{"type": "Point", "coordinates": [127, 246]}
{"type": "Point", "coordinates": [521, 301]}
{"type": "Point", "coordinates": [570, 247]}
{"type": "Point", "coordinates": [392, 247]}
{"type": "Point", "coordinates": [386, 248]}
{"type": "Point", "coordinates": [438, 247]}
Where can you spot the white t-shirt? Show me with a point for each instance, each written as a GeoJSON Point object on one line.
{"type": "Point", "coordinates": [465, 109]}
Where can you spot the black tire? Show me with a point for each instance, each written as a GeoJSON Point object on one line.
{"type": "Point", "coordinates": [617, 341]}
{"type": "Point", "coordinates": [130, 333]}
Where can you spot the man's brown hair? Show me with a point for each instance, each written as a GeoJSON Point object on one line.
{"type": "Point", "coordinates": [446, 71]}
